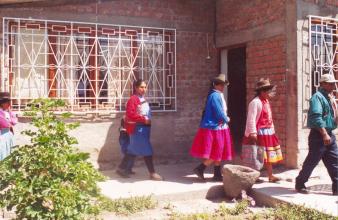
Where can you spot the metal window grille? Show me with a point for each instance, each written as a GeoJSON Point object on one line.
{"type": "Point", "coordinates": [89, 65]}
{"type": "Point", "coordinates": [323, 44]}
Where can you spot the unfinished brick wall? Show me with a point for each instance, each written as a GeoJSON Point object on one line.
{"type": "Point", "coordinates": [235, 16]}
{"type": "Point", "coordinates": [173, 132]}
{"type": "Point", "coordinates": [266, 55]}
{"type": "Point", "coordinates": [266, 58]}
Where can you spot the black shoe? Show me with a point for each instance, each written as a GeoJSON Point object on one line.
{"type": "Point", "coordinates": [301, 188]}
{"type": "Point", "coordinates": [259, 180]}
{"type": "Point", "coordinates": [122, 173]}
{"type": "Point", "coordinates": [131, 172]}
{"type": "Point", "coordinates": [199, 173]}
{"type": "Point", "coordinates": [217, 178]}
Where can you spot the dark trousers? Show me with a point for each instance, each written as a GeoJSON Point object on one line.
{"type": "Point", "coordinates": [318, 151]}
{"type": "Point", "coordinates": [128, 162]}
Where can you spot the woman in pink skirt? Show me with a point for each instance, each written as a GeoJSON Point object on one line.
{"type": "Point", "coordinates": [213, 141]}
{"type": "Point", "coordinates": [260, 128]}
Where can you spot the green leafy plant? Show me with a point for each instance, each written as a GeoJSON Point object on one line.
{"type": "Point", "coordinates": [297, 212]}
{"type": "Point", "coordinates": [240, 208]}
{"type": "Point", "coordinates": [49, 179]}
{"type": "Point", "coordinates": [127, 206]}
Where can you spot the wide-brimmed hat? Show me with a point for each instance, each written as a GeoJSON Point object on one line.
{"type": "Point", "coordinates": [263, 84]}
{"type": "Point", "coordinates": [328, 78]}
{"type": "Point", "coordinates": [220, 78]}
{"type": "Point", "coordinates": [4, 97]}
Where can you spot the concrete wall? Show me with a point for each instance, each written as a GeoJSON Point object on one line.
{"type": "Point", "coordinates": [325, 8]}
{"type": "Point", "coordinates": [172, 133]}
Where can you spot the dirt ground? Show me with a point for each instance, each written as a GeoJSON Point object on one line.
{"type": "Point", "coordinates": [164, 210]}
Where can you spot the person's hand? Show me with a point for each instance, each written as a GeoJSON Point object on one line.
{"type": "Point", "coordinates": [253, 138]}
{"type": "Point", "coordinates": [326, 139]}
{"type": "Point", "coordinates": [147, 121]}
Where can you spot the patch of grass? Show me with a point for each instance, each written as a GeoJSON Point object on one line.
{"type": "Point", "coordinates": [240, 208]}
{"type": "Point", "coordinates": [296, 212]}
{"type": "Point", "coordinates": [128, 206]}
{"type": "Point", "coordinates": [194, 216]}
{"type": "Point", "coordinates": [239, 212]}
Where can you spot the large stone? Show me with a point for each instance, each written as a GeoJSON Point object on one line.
{"type": "Point", "coordinates": [237, 178]}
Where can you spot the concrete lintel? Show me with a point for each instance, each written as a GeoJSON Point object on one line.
{"type": "Point", "coordinates": [7, 2]}
{"type": "Point", "coordinates": [106, 19]}
{"type": "Point", "coordinates": [307, 8]}
{"type": "Point", "coordinates": [240, 37]}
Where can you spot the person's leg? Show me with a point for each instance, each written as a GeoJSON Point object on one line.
{"type": "Point", "coordinates": [217, 171]}
{"type": "Point", "coordinates": [268, 167]}
{"type": "Point", "coordinates": [316, 151]}
{"type": "Point", "coordinates": [122, 169]}
{"type": "Point", "coordinates": [330, 159]}
{"type": "Point", "coordinates": [199, 170]}
{"type": "Point", "coordinates": [130, 163]}
{"type": "Point", "coordinates": [149, 163]}
{"type": "Point", "coordinates": [123, 163]}
{"type": "Point", "coordinates": [271, 177]}
{"type": "Point", "coordinates": [150, 166]}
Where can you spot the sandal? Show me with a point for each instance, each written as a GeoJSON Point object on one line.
{"type": "Point", "coordinates": [274, 179]}
{"type": "Point", "coordinates": [259, 180]}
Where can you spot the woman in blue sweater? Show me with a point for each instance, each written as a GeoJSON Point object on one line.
{"type": "Point", "coordinates": [213, 141]}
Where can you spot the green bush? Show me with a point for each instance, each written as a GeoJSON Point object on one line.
{"type": "Point", "coordinates": [49, 179]}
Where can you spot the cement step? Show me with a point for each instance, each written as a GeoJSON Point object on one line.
{"type": "Point", "coordinates": [179, 183]}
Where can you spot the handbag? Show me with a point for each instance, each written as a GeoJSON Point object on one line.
{"type": "Point", "coordinates": [123, 137]}
{"type": "Point", "coordinates": [253, 156]}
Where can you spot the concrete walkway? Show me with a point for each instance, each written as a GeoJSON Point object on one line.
{"type": "Point", "coordinates": [180, 183]}
{"type": "Point", "coordinates": [319, 198]}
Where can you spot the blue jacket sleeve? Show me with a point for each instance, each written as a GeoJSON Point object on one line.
{"type": "Point", "coordinates": [315, 113]}
{"type": "Point", "coordinates": [217, 106]}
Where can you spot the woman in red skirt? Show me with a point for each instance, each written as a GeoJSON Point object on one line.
{"type": "Point", "coordinates": [213, 142]}
{"type": "Point", "coordinates": [260, 129]}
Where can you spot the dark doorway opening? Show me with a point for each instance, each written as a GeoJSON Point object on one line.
{"type": "Point", "coordinates": [237, 94]}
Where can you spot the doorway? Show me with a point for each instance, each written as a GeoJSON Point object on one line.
{"type": "Point", "coordinates": [235, 60]}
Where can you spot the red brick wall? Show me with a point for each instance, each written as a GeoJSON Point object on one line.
{"type": "Point", "coordinates": [234, 15]}
{"type": "Point", "coordinates": [193, 81]}
{"type": "Point", "coordinates": [172, 133]}
{"type": "Point", "coordinates": [266, 58]}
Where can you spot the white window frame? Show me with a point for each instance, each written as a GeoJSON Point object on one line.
{"type": "Point", "coordinates": [323, 46]}
{"type": "Point", "coordinates": [121, 53]}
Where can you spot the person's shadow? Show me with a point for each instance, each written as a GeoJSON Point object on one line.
{"type": "Point", "coordinates": [110, 153]}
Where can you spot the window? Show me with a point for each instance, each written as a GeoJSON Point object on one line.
{"type": "Point", "coordinates": [90, 66]}
{"type": "Point", "coordinates": [323, 48]}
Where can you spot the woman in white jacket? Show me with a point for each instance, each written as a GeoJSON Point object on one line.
{"type": "Point", "coordinates": [260, 129]}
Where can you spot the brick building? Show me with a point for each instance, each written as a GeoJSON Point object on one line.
{"type": "Point", "coordinates": [88, 52]}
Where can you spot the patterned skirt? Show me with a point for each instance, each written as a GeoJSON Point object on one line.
{"type": "Point", "coordinates": [212, 144]}
{"type": "Point", "coordinates": [267, 138]}
{"type": "Point", "coordinates": [6, 143]}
